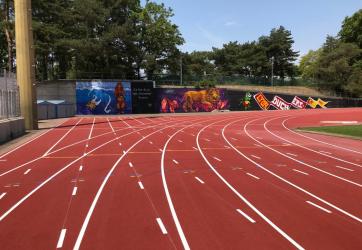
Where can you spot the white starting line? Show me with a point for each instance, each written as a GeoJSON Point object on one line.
{"type": "Point", "coordinates": [245, 215]}
{"type": "Point", "coordinates": [345, 168]}
{"type": "Point", "coordinates": [160, 224]}
{"type": "Point", "coordinates": [80, 168]}
{"type": "Point", "coordinates": [317, 206]}
{"type": "Point", "coordinates": [74, 191]}
{"type": "Point", "coordinates": [2, 195]}
{"type": "Point", "coordinates": [216, 158]}
{"type": "Point", "coordinates": [61, 238]}
{"type": "Point", "coordinates": [27, 171]}
{"type": "Point", "coordinates": [201, 181]}
{"type": "Point", "coordinates": [292, 154]}
{"type": "Point", "coordinates": [141, 185]}
{"type": "Point", "coordinates": [176, 162]}
{"type": "Point", "coordinates": [301, 172]}
{"type": "Point", "coordinates": [130, 164]}
{"type": "Point", "coordinates": [255, 177]}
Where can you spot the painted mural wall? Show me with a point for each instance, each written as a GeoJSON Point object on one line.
{"type": "Point", "coordinates": [103, 98]}
{"type": "Point", "coordinates": [183, 100]}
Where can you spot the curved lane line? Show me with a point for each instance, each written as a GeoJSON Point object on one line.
{"type": "Point", "coordinates": [285, 180]}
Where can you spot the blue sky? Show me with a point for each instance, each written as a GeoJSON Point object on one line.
{"type": "Point", "coordinates": [211, 23]}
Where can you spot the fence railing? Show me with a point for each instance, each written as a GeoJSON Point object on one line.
{"type": "Point", "coordinates": [9, 96]}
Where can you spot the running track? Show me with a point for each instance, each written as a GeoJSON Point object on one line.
{"type": "Point", "coordinates": [211, 181]}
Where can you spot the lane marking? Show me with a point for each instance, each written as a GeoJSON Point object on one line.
{"type": "Point", "coordinates": [201, 181]}
{"type": "Point", "coordinates": [216, 158]}
{"type": "Point", "coordinates": [259, 146]}
{"type": "Point", "coordinates": [321, 208]}
{"type": "Point", "coordinates": [110, 124]}
{"type": "Point", "coordinates": [180, 141]}
{"type": "Point", "coordinates": [325, 152]}
{"type": "Point", "coordinates": [234, 139]}
{"type": "Point", "coordinates": [256, 177]}
{"type": "Point", "coordinates": [74, 191]}
{"type": "Point", "coordinates": [120, 144]}
{"type": "Point", "coordinates": [2, 195]}
{"type": "Point", "coordinates": [296, 170]}
{"type": "Point", "coordinates": [345, 168]}
{"type": "Point", "coordinates": [124, 152]}
{"type": "Point", "coordinates": [195, 148]}
{"type": "Point", "coordinates": [151, 142]}
{"type": "Point", "coordinates": [160, 150]}
{"type": "Point", "coordinates": [292, 154]}
{"type": "Point", "coordinates": [61, 238]}
{"type": "Point", "coordinates": [245, 215]}
{"type": "Point", "coordinates": [80, 168]}
{"type": "Point", "coordinates": [27, 171]}
{"type": "Point", "coordinates": [160, 224]}
{"type": "Point", "coordinates": [285, 180]}
{"type": "Point", "coordinates": [91, 131]}
{"type": "Point", "coordinates": [141, 185]}
{"type": "Point", "coordinates": [3, 160]}
{"type": "Point", "coordinates": [256, 157]}
{"type": "Point", "coordinates": [340, 122]}
{"type": "Point", "coordinates": [266, 219]}
{"type": "Point", "coordinates": [207, 140]}
{"type": "Point", "coordinates": [130, 164]}
{"type": "Point", "coordinates": [176, 162]}
{"type": "Point", "coordinates": [70, 130]}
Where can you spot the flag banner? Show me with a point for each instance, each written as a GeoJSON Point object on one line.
{"type": "Point", "coordinates": [322, 103]}
{"type": "Point", "coordinates": [262, 101]}
{"type": "Point", "coordinates": [298, 103]}
{"type": "Point", "coordinates": [280, 103]}
{"type": "Point", "coordinates": [312, 103]}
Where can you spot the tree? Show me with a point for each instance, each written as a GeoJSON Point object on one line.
{"type": "Point", "coordinates": [308, 64]}
{"type": "Point", "coordinates": [7, 34]}
{"type": "Point", "coordinates": [279, 45]}
{"type": "Point", "coordinates": [351, 31]}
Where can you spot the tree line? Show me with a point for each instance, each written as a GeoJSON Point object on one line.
{"type": "Point", "coordinates": [337, 65]}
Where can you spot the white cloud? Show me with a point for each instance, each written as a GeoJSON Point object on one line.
{"type": "Point", "coordinates": [230, 23]}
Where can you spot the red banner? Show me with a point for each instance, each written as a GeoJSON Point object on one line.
{"type": "Point", "coordinates": [262, 101]}
{"type": "Point", "coordinates": [279, 103]}
{"type": "Point", "coordinates": [298, 103]}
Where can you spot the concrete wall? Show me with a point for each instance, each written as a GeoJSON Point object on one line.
{"type": "Point", "coordinates": [11, 128]}
{"type": "Point", "coordinates": [57, 90]}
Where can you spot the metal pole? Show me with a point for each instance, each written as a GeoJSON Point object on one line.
{"type": "Point", "coordinates": [272, 73]}
{"type": "Point", "coordinates": [6, 95]}
{"type": "Point", "coordinates": [25, 63]}
{"type": "Point", "coordinates": [181, 71]}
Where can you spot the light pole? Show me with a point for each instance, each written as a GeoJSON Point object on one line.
{"type": "Point", "coordinates": [25, 65]}
{"type": "Point", "coordinates": [181, 71]}
{"type": "Point", "coordinates": [272, 71]}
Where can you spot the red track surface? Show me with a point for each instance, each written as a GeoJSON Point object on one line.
{"type": "Point", "coordinates": [219, 181]}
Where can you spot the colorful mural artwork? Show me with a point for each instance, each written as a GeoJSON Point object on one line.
{"type": "Point", "coordinates": [245, 102]}
{"type": "Point", "coordinates": [281, 104]}
{"type": "Point", "coordinates": [103, 98]}
{"type": "Point", "coordinates": [190, 100]}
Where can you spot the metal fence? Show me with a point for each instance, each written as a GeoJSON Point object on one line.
{"type": "Point", "coordinates": [9, 96]}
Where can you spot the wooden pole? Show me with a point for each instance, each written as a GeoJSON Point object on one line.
{"type": "Point", "coordinates": [25, 67]}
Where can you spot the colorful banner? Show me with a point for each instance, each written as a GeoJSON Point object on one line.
{"type": "Point", "coordinates": [312, 103]}
{"type": "Point", "coordinates": [298, 103]}
{"type": "Point", "coordinates": [103, 98]}
{"type": "Point", "coordinates": [322, 103]}
{"type": "Point", "coordinates": [176, 100]}
{"type": "Point", "coordinates": [280, 103]}
{"type": "Point", "coordinates": [262, 101]}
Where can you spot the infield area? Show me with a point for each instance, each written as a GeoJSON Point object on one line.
{"type": "Point", "coordinates": [242, 180]}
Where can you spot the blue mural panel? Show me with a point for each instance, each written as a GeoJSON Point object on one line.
{"type": "Point", "coordinates": [104, 97]}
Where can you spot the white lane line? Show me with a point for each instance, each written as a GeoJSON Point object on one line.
{"type": "Point", "coordinates": [266, 219]}
{"type": "Point", "coordinates": [2, 160]}
{"type": "Point", "coordinates": [141, 185]}
{"type": "Point", "coordinates": [130, 164]}
{"type": "Point", "coordinates": [345, 168]}
{"type": "Point", "coordinates": [151, 142]}
{"type": "Point", "coordinates": [201, 181]}
{"type": "Point", "coordinates": [256, 177]}
{"type": "Point", "coordinates": [70, 130]}
{"type": "Point", "coordinates": [2, 195]}
{"type": "Point", "coordinates": [80, 168]}
{"type": "Point", "coordinates": [257, 145]}
{"type": "Point", "coordinates": [195, 148]}
{"type": "Point", "coordinates": [110, 124]}
{"type": "Point", "coordinates": [245, 215]}
{"type": "Point", "coordinates": [292, 154]}
{"type": "Point", "coordinates": [86, 145]}
{"type": "Point", "coordinates": [192, 134]}
{"type": "Point", "coordinates": [90, 132]}
{"type": "Point", "coordinates": [27, 171]}
{"type": "Point", "coordinates": [61, 238]}
{"type": "Point", "coordinates": [160, 150]}
{"type": "Point", "coordinates": [321, 208]}
{"type": "Point", "coordinates": [120, 144]}
{"type": "Point", "coordinates": [160, 224]}
{"type": "Point", "coordinates": [74, 191]}
{"type": "Point", "coordinates": [207, 140]}
{"type": "Point", "coordinates": [124, 152]}
{"type": "Point", "coordinates": [180, 141]}
{"type": "Point", "coordinates": [296, 170]}
{"type": "Point", "coordinates": [216, 158]}
{"type": "Point", "coordinates": [234, 139]}
{"type": "Point", "coordinates": [176, 162]}
{"type": "Point", "coordinates": [340, 122]}
{"type": "Point", "coordinates": [256, 157]}
{"type": "Point", "coordinates": [325, 152]}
